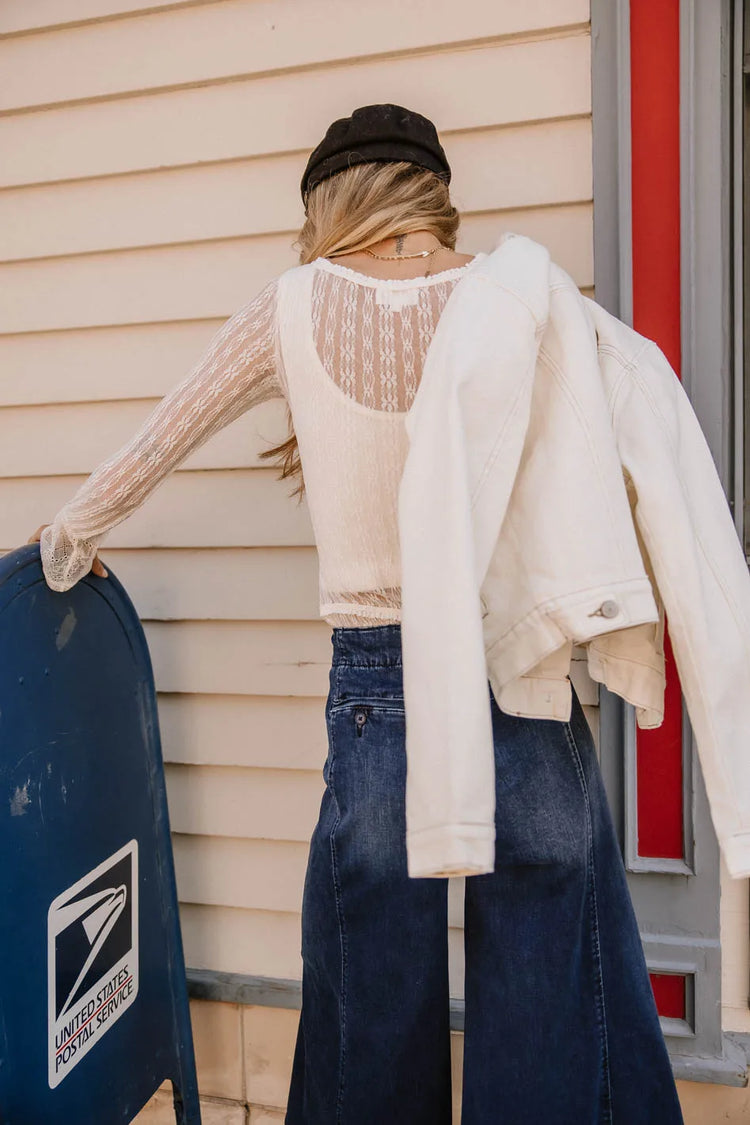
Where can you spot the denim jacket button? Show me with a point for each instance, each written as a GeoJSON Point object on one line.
{"type": "Point", "coordinates": [609, 608]}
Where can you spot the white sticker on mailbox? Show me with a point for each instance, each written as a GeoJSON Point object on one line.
{"type": "Point", "coordinates": [92, 958]}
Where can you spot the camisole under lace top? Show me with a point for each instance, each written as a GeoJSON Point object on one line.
{"type": "Point", "coordinates": [346, 352]}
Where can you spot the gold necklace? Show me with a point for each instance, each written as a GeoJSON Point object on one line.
{"type": "Point", "coordinates": [402, 257]}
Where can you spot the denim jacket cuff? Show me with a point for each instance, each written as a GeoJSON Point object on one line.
{"type": "Point", "coordinates": [736, 851]}
{"type": "Point", "coordinates": [451, 849]}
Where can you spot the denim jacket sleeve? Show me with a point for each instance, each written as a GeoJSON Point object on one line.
{"type": "Point", "coordinates": [466, 434]}
{"type": "Point", "coordinates": [686, 524]}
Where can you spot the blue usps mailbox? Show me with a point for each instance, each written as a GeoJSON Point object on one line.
{"type": "Point", "coordinates": [93, 1000]}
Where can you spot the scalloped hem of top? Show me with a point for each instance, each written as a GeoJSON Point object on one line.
{"type": "Point", "coordinates": [363, 614]}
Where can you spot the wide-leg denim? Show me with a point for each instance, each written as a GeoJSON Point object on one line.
{"type": "Point", "coordinates": [561, 1026]}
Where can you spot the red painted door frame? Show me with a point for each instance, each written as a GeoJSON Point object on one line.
{"type": "Point", "coordinates": [655, 172]}
{"type": "Point", "coordinates": [655, 169]}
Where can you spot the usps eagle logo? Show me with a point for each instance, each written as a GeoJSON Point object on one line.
{"type": "Point", "coordinates": [92, 957]}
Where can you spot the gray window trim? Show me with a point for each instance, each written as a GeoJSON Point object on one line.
{"type": "Point", "coordinates": [633, 861]}
{"type": "Point", "coordinates": [679, 900]}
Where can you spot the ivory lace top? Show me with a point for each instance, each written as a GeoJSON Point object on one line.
{"type": "Point", "coordinates": [346, 351]}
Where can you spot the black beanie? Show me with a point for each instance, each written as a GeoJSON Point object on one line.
{"type": "Point", "coordinates": [383, 133]}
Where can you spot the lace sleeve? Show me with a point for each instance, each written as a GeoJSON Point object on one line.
{"type": "Point", "coordinates": [238, 370]}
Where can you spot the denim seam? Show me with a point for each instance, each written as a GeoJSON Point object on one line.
{"type": "Point", "coordinates": [338, 663]}
{"type": "Point", "coordinates": [372, 703]}
{"type": "Point", "coordinates": [340, 917]}
{"type": "Point", "coordinates": [601, 1009]}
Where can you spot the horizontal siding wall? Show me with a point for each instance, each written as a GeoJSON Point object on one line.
{"type": "Point", "coordinates": [152, 157]}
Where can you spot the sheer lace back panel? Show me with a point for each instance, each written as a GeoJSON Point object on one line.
{"type": "Point", "coordinates": [347, 352]}
{"type": "Point", "coordinates": [372, 336]}
{"type": "Point", "coordinates": [354, 349]}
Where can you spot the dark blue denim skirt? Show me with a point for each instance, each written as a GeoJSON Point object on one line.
{"type": "Point", "coordinates": [560, 1020]}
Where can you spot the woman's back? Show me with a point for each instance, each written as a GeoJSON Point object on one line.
{"type": "Point", "coordinates": [346, 350]}
{"type": "Point", "coordinates": [353, 349]}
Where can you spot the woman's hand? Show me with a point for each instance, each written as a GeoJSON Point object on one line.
{"type": "Point", "coordinates": [97, 566]}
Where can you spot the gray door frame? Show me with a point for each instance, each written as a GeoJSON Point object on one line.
{"type": "Point", "coordinates": [677, 902]}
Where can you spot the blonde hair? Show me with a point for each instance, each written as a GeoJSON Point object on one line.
{"type": "Point", "coordinates": [355, 208]}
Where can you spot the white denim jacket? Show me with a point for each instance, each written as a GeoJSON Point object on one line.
{"type": "Point", "coordinates": [558, 490]}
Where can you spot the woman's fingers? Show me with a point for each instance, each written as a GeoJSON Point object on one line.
{"type": "Point", "coordinates": [37, 534]}
{"type": "Point", "coordinates": [98, 567]}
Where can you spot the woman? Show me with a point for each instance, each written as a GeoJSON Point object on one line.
{"type": "Point", "coordinates": [560, 1020]}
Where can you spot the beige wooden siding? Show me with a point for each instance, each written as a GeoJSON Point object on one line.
{"type": "Point", "coordinates": [151, 160]}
